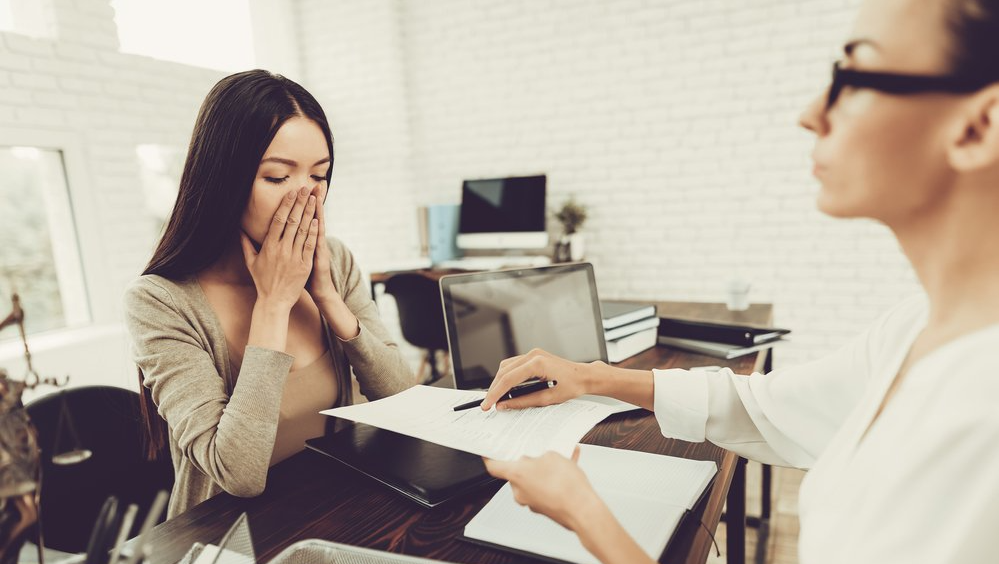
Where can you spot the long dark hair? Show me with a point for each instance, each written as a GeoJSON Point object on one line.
{"type": "Point", "coordinates": [236, 124]}
{"type": "Point", "coordinates": [974, 30]}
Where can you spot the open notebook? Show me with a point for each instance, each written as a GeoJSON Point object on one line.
{"type": "Point", "coordinates": [647, 493]}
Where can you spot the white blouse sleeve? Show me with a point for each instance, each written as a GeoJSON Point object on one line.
{"type": "Point", "coordinates": [785, 417]}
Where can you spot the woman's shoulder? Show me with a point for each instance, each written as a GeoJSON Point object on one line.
{"type": "Point", "coordinates": [339, 252]}
{"type": "Point", "coordinates": [897, 324]}
{"type": "Point", "coordinates": [342, 260]}
{"type": "Point", "coordinates": [161, 289]}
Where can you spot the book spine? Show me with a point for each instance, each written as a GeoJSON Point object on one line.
{"type": "Point", "coordinates": [630, 317]}
{"type": "Point", "coordinates": [629, 346]}
{"type": "Point", "coordinates": [625, 330]}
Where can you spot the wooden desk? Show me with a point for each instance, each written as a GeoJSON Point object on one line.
{"type": "Point", "coordinates": [377, 278]}
{"type": "Point", "coordinates": [311, 496]}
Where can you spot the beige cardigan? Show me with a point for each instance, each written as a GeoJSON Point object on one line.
{"type": "Point", "coordinates": [223, 425]}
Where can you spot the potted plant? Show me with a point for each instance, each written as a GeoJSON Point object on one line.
{"type": "Point", "coordinates": [572, 216]}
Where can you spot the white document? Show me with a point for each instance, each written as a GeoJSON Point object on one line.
{"type": "Point", "coordinates": [427, 413]}
{"type": "Point", "coordinates": [647, 493]}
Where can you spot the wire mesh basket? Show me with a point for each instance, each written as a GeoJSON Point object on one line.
{"type": "Point", "coordinates": [324, 552]}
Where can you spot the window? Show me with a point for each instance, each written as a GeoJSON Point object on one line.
{"type": "Point", "coordinates": [6, 16]}
{"type": "Point", "coordinates": [216, 34]}
{"type": "Point", "coordinates": [39, 255]}
{"type": "Point", "coordinates": [160, 168]}
{"type": "Point", "coordinates": [27, 17]}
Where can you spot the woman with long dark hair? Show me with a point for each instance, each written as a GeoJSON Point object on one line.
{"type": "Point", "coordinates": [900, 429]}
{"type": "Point", "coordinates": [248, 320]}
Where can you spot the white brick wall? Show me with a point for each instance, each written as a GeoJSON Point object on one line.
{"type": "Point", "coordinates": [352, 58]}
{"type": "Point", "coordinates": [675, 121]}
{"type": "Point", "coordinates": [77, 86]}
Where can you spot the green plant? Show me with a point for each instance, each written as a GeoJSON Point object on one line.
{"type": "Point", "coordinates": [572, 216]}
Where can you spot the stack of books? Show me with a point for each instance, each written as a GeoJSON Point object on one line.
{"type": "Point", "coordinates": [629, 328]}
{"type": "Point", "coordinates": [720, 340]}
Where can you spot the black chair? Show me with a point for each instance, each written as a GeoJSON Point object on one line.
{"type": "Point", "coordinates": [107, 422]}
{"type": "Point", "coordinates": [421, 315]}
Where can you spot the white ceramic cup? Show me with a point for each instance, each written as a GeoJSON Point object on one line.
{"type": "Point", "coordinates": [737, 297]}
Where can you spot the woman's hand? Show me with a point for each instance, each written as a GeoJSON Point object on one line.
{"type": "Point", "coordinates": [554, 486]}
{"type": "Point", "coordinates": [551, 485]}
{"type": "Point", "coordinates": [320, 285]}
{"type": "Point", "coordinates": [342, 321]}
{"type": "Point", "coordinates": [282, 266]}
{"type": "Point", "coordinates": [573, 380]}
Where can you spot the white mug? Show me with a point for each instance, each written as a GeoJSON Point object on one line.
{"type": "Point", "coordinates": [738, 295]}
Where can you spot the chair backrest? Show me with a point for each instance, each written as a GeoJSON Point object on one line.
{"type": "Point", "coordinates": [420, 313]}
{"type": "Point", "coordinates": [108, 423]}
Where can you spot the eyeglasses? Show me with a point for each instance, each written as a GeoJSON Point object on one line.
{"type": "Point", "coordinates": [893, 83]}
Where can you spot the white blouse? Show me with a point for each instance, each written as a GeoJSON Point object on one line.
{"type": "Point", "coordinates": [921, 487]}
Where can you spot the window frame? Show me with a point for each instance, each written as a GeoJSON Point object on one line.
{"type": "Point", "coordinates": [80, 203]}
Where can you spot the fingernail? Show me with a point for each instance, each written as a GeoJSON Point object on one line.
{"type": "Point", "coordinates": [303, 190]}
{"type": "Point", "coordinates": [312, 199]}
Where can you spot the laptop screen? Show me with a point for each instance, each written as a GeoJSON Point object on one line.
{"type": "Point", "coordinates": [491, 316]}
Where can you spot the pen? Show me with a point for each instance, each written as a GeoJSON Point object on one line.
{"type": "Point", "coordinates": [102, 532]}
{"type": "Point", "coordinates": [141, 547]}
{"type": "Point", "coordinates": [123, 530]}
{"type": "Point", "coordinates": [523, 389]}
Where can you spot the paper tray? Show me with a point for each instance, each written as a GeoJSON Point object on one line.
{"type": "Point", "coordinates": [325, 552]}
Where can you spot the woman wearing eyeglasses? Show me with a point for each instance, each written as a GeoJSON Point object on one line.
{"type": "Point", "coordinates": [900, 429]}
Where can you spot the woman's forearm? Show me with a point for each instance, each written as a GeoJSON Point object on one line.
{"type": "Point", "coordinates": [633, 386]}
{"type": "Point", "coordinates": [605, 538]}
{"type": "Point", "coordinates": [342, 321]}
{"type": "Point", "coordinates": [269, 326]}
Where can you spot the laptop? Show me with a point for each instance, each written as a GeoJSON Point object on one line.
{"type": "Point", "coordinates": [492, 316]}
{"type": "Point", "coordinates": [489, 316]}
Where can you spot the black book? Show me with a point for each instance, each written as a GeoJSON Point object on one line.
{"type": "Point", "coordinates": [742, 335]}
{"type": "Point", "coordinates": [426, 473]}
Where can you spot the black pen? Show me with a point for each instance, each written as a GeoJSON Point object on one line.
{"type": "Point", "coordinates": [522, 389]}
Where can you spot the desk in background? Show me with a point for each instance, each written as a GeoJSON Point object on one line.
{"type": "Point", "coordinates": [311, 496]}
{"type": "Point", "coordinates": [431, 273]}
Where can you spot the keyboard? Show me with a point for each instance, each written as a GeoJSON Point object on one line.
{"type": "Point", "coordinates": [495, 262]}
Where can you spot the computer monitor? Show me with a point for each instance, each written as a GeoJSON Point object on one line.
{"type": "Point", "coordinates": [490, 316]}
{"type": "Point", "coordinates": [503, 213]}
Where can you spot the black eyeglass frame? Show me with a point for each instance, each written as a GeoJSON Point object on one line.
{"type": "Point", "coordinates": [895, 83]}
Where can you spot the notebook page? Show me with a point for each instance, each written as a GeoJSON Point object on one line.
{"type": "Point", "coordinates": [426, 413]}
{"type": "Point", "coordinates": [647, 493]}
{"type": "Point", "coordinates": [663, 479]}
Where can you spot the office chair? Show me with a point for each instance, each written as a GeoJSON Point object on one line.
{"type": "Point", "coordinates": [421, 315]}
{"type": "Point", "coordinates": [105, 421]}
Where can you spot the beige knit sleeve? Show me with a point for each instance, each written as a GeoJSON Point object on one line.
{"type": "Point", "coordinates": [378, 363]}
{"type": "Point", "coordinates": [229, 439]}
